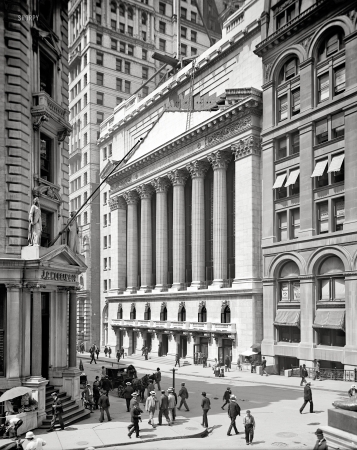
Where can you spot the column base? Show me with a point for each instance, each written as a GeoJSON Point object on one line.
{"type": "Point", "coordinates": [71, 383]}
{"type": "Point", "coordinates": [197, 285]}
{"type": "Point", "coordinates": [118, 291]}
{"type": "Point", "coordinates": [161, 288]}
{"type": "Point", "coordinates": [144, 289]}
{"type": "Point", "coordinates": [218, 284]}
{"type": "Point", "coordinates": [131, 290]}
{"type": "Point", "coordinates": [177, 287]}
{"type": "Point", "coordinates": [38, 386]}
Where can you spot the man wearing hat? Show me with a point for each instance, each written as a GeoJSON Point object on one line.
{"type": "Point", "coordinates": [134, 400]}
{"type": "Point", "coordinates": [249, 427]}
{"type": "Point", "coordinates": [104, 405]}
{"type": "Point", "coordinates": [34, 443]}
{"type": "Point", "coordinates": [206, 406]}
{"type": "Point", "coordinates": [226, 397]}
{"type": "Point", "coordinates": [57, 411]}
{"type": "Point", "coordinates": [233, 412]}
{"type": "Point", "coordinates": [158, 378]}
{"type": "Point", "coordinates": [88, 395]}
{"type": "Point", "coordinates": [183, 393]}
{"type": "Point", "coordinates": [307, 398]}
{"type": "Point", "coordinates": [321, 443]}
{"type": "Point", "coordinates": [151, 407]}
{"type": "Point", "coordinates": [164, 408]}
{"type": "Point", "coordinates": [172, 402]}
{"type": "Point", "coordinates": [106, 385]}
{"type": "Point", "coordinates": [150, 387]}
{"type": "Point", "coordinates": [128, 391]}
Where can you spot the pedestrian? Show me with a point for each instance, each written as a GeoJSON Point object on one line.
{"type": "Point", "coordinates": [264, 366]}
{"type": "Point", "coordinates": [307, 398]}
{"type": "Point", "coordinates": [227, 363]}
{"type": "Point", "coordinates": [199, 357]}
{"type": "Point", "coordinates": [164, 408]}
{"type": "Point", "coordinates": [134, 399]}
{"type": "Point", "coordinates": [321, 443]}
{"type": "Point", "coordinates": [226, 397]}
{"type": "Point", "coordinates": [206, 406]}
{"type": "Point", "coordinates": [92, 354]}
{"type": "Point", "coordinates": [317, 370]}
{"type": "Point", "coordinates": [303, 374]}
{"type": "Point", "coordinates": [204, 360]}
{"type": "Point", "coordinates": [106, 385]}
{"type": "Point", "coordinates": [142, 350]}
{"type": "Point", "coordinates": [151, 406]}
{"type": "Point", "coordinates": [87, 394]}
{"type": "Point", "coordinates": [150, 387]}
{"type": "Point", "coordinates": [135, 418]}
{"type": "Point", "coordinates": [104, 405]}
{"type": "Point", "coordinates": [239, 365]}
{"type": "Point", "coordinates": [177, 360]}
{"type": "Point", "coordinates": [146, 352]}
{"type": "Point", "coordinates": [249, 427]}
{"type": "Point", "coordinates": [158, 378]}
{"type": "Point", "coordinates": [104, 372]}
{"type": "Point", "coordinates": [172, 404]}
{"type": "Point", "coordinates": [352, 391]}
{"type": "Point", "coordinates": [233, 413]}
{"type": "Point", "coordinates": [97, 351]}
{"type": "Point", "coordinates": [105, 351]}
{"type": "Point", "coordinates": [122, 352]}
{"type": "Point", "coordinates": [57, 410]}
{"type": "Point", "coordinates": [127, 395]}
{"type": "Point", "coordinates": [12, 425]}
{"type": "Point", "coordinates": [195, 358]}
{"type": "Point", "coordinates": [183, 393]}
{"type": "Point", "coordinates": [109, 351]}
{"type": "Point", "coordinates": [82, 347]}
{"type": "Point", "coordinates": [96, 392]}
{"type": "Point", "coordinates": [118, 355]}
{"type": "Point", "coordinates": [34, 443]}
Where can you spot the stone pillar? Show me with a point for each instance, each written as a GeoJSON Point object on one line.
{"type": "Point", "coordinates": [307, 228]}
{"type": "Point", "coordinates": [118, 272]}
{"type": "Point", "coordinates": [14, 333]}
{"type": "Point", "coordinates": [248, 219]}
{"type": "Point", "coordinates": [269, 310]}
{"type": "Point", "coordinates": [198, 171]}
{"type": "Point", "coordinates": [350, 169]}
{"type": "Point", "coordinates": [36, 335]}
{"type": "Point", "coordinates": [145, 192]}
{"type": "Point", "coordinates": [132, 199]}
{"type": "Point", "coordinates": [219, 161]}
{"type": "Point", "coordinates": [178, 179]}
{"type": "Point", "coordinates": [26, 333]}
{"type": "Point", "coordinates": [307, 308]}
{"type": "Point", "coordinates": [161, 186]}
{"type": "Point", "coordinates": [306, 86]}
{"type": "Point", "coordinates": [268, 206]}
{"type": "Point", "coordinates": [72, 328]}
{"type": "Point", "coordinates": [350, 349]}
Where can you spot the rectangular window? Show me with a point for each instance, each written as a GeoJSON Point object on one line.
{"type": "Point", "coordinates": [122, 47]}
{"type": "Point", "coordinates": [144, 55]}
{"type": "Point", "coordinates": [162, 27]}
{"type": "Point", "coordinates": [339, 213]}
{"type": "Point", "coordinates": [339, 80]}
{"type": "Point", "coordinates": [100, 117]}
{"type": "Point", "coordinates": [130, 31]}
{"type": "Point", "coordinates": [105, 242]}
{"type": "Point", "coordinates": [145, 91]}
{"type": "Point", "coordinates": [295, 102]}
{"type": "Point", "coordinates": [145, 73]}
{"type": "Point", "coordinates": [143, 36]}
{"type": "Point", "coordinates": [98, 19]}
{"type": "Point", "coordinates": [281, 150]}
{"type": "Point", "coordinates": [105, 263]}
{"type": "Point", "coordinates": [127, 67]}
{"type": "Point", "coordinates": [105, 220]}
{"type": "Point", "coordinates": [85, 162]}
{"type": "Point", "coordinates": [118, 100]}
{"type": "Point", "coordinates": [338, 125]}
{"type": "Point", "coordinates": [109, 241]}
{"type": "Point", "coordinates": [282, 226]}
{"type": "Point", "coordinates": [113, 44]}
{"type": "Point", "coordinates": [162, 8]}
{"type": "Point", "coordinates": [283, 107]}
{"type": "Point", "coordinates": [85, 119]}
{"type": "Point", "coordinates": [100, 98]}
{"type": "Point", "coordinates": [85, 101]}
{"type": "Point", "coordinates": [100, 79]}
{"type": "Point", "coordinates": [99, 39]}
{"type": "Point", "coordinates": [119, 84]}
{"type": "Point", "coordinates": [280, 20]}
{"type": "Point", "coordinates": [104, 153]}
{"type": "Point", "coordinates": [100, 58]}
{"type": "Point", "coordinates": [85, 138]}
{"type": "Point", "coordinates": [183, 13]}
{"type": "Point", "coordinates": [193, 51]}
{"type": "Point", "coordinates": [130, 50]}
{"type": "Point", "coordinates": [110, 150]}
{"type": "Point", "coordinates": [332, 45]}
{"type": "Point", "coordinates": [193, 36]}
{"type": "Point", "coordinates": [295, 223]}
{"type": "Point", "coordinates": [324, 87]}
{"type": "Point", "coordinates": [162, 45]}
{"type": "Point", "coordinates": [183, 49]}
{"type": "Point", "coordinates": [105, 285]}
{"type": "Point", "coordinates": [122, 28]}
{"type": "Point", "coordinates": [85, 218]}
{"type": "Point", "coordinates": [85, 80]}
{"type": "Point", "coordinates": [183, 32]}
{"type": "Point", "coordinates": [337, 168]}
{"type": "Point", "coordinates": [295, 143]}
{"type": "Point", "coordinates": [193, 17]}
{"type": "Point", "coordinates": [127, 87]}
{"type": "Point", "coordinates": [46, 74]}
{"type": "Point", "coordinates": [113, 24]}
{"type": "Point", "coordinates": [118, 65]}
{"type": "Point", "coordinates": [321, 131]}
{"type": "Point", "coordinates": [322, 217]}
{"type": "Point", "coordinates": [46, 149]}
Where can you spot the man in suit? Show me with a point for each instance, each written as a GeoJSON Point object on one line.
{"type": "Point", "coordinates": [303, 373]}
{"type": "Point", "coordinates": [92, 354]}
{"type": "Point", "coordinates": [57, 411]}
{"type": "Point", "coordinates": [206, 406]}
{"type": "Point", "coordinates": [172, 403]}
{"type": "Point", "coordinates": [226, 397]}
{"type": "Point", "coordinates": [88, 395]}
{"type": "Point", "coordinates": [104, 405]}
{"type": "Point", "coordinates": [164, 408]}
{"type": "Point", "coordinates": [183, 393]}
{"type": "Point", "coordinates": [233, 413]}
{"type": "Point", "coordinates": [127, 395]}
{"type": "Point", "coordinates": [307, 398]}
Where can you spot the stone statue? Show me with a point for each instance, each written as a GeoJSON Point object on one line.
{"type": "Point", "coordinates": [35, 223]}
{"type": "Point", "coordinates": [72, 233]}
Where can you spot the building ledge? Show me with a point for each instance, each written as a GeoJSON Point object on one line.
{"type": "Point", "coordinates": [45, 108]}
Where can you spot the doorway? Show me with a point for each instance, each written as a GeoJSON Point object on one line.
{"type": "Point", "coordinates": [224, 351]}
{"type": "Point", "coordinates": [148, 341]}
{"type": "Point", "coordinates": [119, 339]}
{"type": "Point", "coordinates": [164, 345]}
{"type": "Point", "coordinates": [45, 318]}
{"type": "Point", "coordinates": [133, 342]}
{"type": "Point", "coordinates": [286, 362]}
{"type": "Point", "coordinates": [183, 347]}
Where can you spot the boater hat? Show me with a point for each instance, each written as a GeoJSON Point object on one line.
{"type": "Point", "coordinates": [54, 394]}
{"type": "Point", "coordinates": [152, 392]}
{"type": "Point", "coordinates": [128, 383]}
{"type": "Point", "coordinates": [29, 435]}
{"type": "Point", "coordinates": [134, 394]}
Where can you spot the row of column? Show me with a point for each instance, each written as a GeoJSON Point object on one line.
{"type": "Point", "coordinates": [249, 169]}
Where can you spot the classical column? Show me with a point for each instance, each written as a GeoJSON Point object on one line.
{"type": "Point", "coordinates": [26, 333]}
{"type": "Point", "coordinates": [72, 329]}
{"type": "Point", "coordinates": [118, 215]}
{"type": "Point", "coordinates": [307, 310]}
{"type": "Point", "coordinates": [198, 171]}
{"type": "Point", "coordinates": [248, 221]}
{"type": "Point", "coordinates": [219, 161]}
{"type": "Point", "coordinates": [36, 335]}
{"type": "Point", "coordinates": [161, 186]}
{"type": "Point", "coordinates": [14, 325]}
{"type": "Point", "coordinates": [132, 199]}
{"type": "Point", "coordinates": [350, 349]}
{"type": "Point", "coordinates": [178, 179]}
{"type": "Point", "coordinates": [145, 192]}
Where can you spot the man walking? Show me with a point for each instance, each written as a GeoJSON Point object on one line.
{"type": "Point", "coordinates": [164, 408]}
{"type": "Point", "coordinates": [226, 397]}
{"type": "Point", "coordinates": [264, 366]}
{"type": "Point", "coordinates": [177, 360]}
{"type": "Point", "coordinates": [171, 404]}
{"type": "Point", "coordinates": [57, 411]}
{"type": "Point", "coordinates": [307, 398]}
{"type": "Point", "coordinates": [122, 352]}
{"type": "Point", "coordinates": [118, 355]}
{"type": "Point", "coordinates": [128, 391]}
{"type": "Point", "coordinates": [158, 378]}
{"type": "Point", "coordinates": [249, 427]}
{"type": "Point", "coordinates": [88, 395]}
{"type": "Point", "coordinates": [184, 395]}
{"type": "Point", "coordinates": [317, 370]}
{"type": "Point", "coordinates": [104, 405]}
{"type": "Point", "coordinates": [151, 406]}
{"type": "Point", "coordinates": [97, 351]}
{"type": "Point", "coordinates": [303, 374]}
{"type": "Point", "coordinates": [109, 351]}
{"type": "Point", "coordinates": [233, 412]}
{"type": "Point", "coordinates": [206, 406]}
{"type": "Point", "coordinates": [96, 392]}
{"type": "Point", "coordinates": [321, 443]}
{"type": "Point", "coordinates": [135, 417]}
{"type": "Point", "coordinates": [92, 354]}
{"type": "Point", "coordinates": [146, 352]}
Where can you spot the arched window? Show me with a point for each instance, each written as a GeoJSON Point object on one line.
{"type": "Point", "coordinates": [331, 280]}
{"type": "Point", "coordinates": [122, 10]}
{"type": "Point", "coordinates": [132, 312]}
{"type": "Point", "coordinates": [163, 314]}
{"type": "Point", "coordinates": [113, 7]}
{"type": "Point", "coordinates": [226, 314]}
{"type": "Point", "coordinates": [288, 101]}
{"type": "Point", "coordinates": [289, 283]}
{"type": "Point", "coordinates": [147, 312]}
{"type": "Point", "coordinates": [331, 77]}
{"type": "Point", "coordinates": [181, 314]}
{"type": "Point", "coordinates": [202, 314]}
{"type": "Point", "coordinates": [144, 18]}
{"type": "Point", "coordinates": [120, 312]}
{"type": "Point", "coordinates": [130, 13]}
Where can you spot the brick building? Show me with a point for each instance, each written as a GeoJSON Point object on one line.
{"type": "Point", "coordinates": [181, 257]}
{"type": "Point", "coordinates": [309, 53]}
{"type": "Point", "coordinates": [111, 45]}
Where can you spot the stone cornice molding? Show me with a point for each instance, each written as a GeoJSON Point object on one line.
{"type": "Point", "coordinates": [117, 202]}
{"type": "Point", "coordinates": [131, 197]}
{"type": "Point", "coordinates": [352, 274]}
{"type": "Point", "coordinates": [198, 169]}
{"type": "Point", "coordinates": [161, 184]}
{"type": "Point", "coordinates": [247, 147]}
{"type": "Point", "coordinates": [145, 191]}
{"type": "Point", "coordinates": [243, 124]}
{"type": "Point", "coordinates": [219, 159]}
{"type": "Point", "coordinates": [178, 177]}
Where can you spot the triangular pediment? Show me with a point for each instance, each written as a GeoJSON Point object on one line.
{"type": "Point", "coordinates": [62, 256]}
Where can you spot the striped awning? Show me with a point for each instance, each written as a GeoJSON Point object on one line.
{"type": "Point", "coordinates": [334, 320]}
{"type": "Point", "coordinates": [287, 318]}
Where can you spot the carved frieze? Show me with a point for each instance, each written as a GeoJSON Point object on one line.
{"type": "Point", "coordinates": [225, 133]}
{"type": "Point", "coordinates": [246, 147]}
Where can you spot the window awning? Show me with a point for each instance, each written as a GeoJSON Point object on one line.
{"type": "Point", "coordinates": [319, 168]}
{"type": "Point", "coordinates": [285, 318]}
{"type": "Point", "coordinates": [336, 163]}
{"type": "Point", "coordinates": [248, 352]}
{"type": "Point", "coordinates": [334, 320]}
{"type": "Point", "coordinates": [279, 181]}
{"type": "Point", "coordinates": [293, 176]}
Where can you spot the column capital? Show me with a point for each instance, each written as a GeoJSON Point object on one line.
{"type": "Point", "coordinates": [246, 147]}
{"type": "Point", "coordinates": [198, 169]}
{"type": "Point", "coordinates": [178, 177]}
{"type": "Point", "coordinates": [131, 197]}
{"type": "Point", "coordinates": [11, 286]}
{"type": "Point", "coordinates": [219, 159]}
{"type": "Point", "coordinates": [117, 202]}
{"type": "Point", "coordinates": [145, 191]}
{"type": "Point", "coordinates": [160, 184]}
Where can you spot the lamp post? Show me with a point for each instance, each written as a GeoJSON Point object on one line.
{"type": "Point", "coordinates": [173, 377]}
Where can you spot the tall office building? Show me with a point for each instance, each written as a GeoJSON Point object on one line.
{"type": "Point", "coordinates": [111, 46]}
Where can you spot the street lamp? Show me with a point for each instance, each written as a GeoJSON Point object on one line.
{"type": "Point", "coordinates": [173, 377]}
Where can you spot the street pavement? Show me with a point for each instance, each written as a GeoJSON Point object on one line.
{"type": "Point", "coordinates": [274, 402]}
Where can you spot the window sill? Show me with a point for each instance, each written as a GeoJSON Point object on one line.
{"type": "Point", "coordinates": [290, 197]}
{"type": "Point", "coordinates": [329, 186]}
{"type": "Point", "coordinates": [287, 158]}
{"type": "Point", "coordinates": [330, 304]}
{"type": "Point", "coordinates": [331, 141]}
{"type": "Point", "coordinates": [289, 305]}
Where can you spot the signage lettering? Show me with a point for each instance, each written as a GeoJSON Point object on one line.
{"type": "Point", "coordinates": [58, 276]}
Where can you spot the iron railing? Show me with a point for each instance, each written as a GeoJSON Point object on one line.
{"type": "Point", "coordinates": [328, 374]}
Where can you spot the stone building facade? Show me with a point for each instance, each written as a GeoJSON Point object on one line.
{"type": "Point", "coordinates": [37, 283]}
{"type": "Point", "coordinates": [110, 56]}
{"type": "Point", "coordinates": [309, 53]}
{"type": "Point", "coordinates": [180, 225]}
